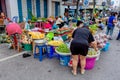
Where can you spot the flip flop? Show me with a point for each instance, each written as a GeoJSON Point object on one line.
{"type": "Point", "coordinates": [74, 73]}
{"type": "Point", "coordinates": [83, 72]}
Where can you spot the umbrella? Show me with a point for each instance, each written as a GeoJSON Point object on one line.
{"type": "Point", "coordinates": [13, 28]}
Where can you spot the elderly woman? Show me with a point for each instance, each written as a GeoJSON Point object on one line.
{"type": "Point", "coordinates": [79, 46]}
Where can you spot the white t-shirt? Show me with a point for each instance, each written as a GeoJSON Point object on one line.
{"type": "Point", "coordinates": [59, 21]}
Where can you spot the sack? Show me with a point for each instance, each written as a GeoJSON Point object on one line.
{"type": "Point", "coordinates": [118, 25]}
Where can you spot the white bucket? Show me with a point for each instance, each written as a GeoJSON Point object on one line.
{"type": "Point", "coordinates": [98, 57]}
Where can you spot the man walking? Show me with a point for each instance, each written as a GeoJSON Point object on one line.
{"type": "Point", "coordinates": [111, 24]}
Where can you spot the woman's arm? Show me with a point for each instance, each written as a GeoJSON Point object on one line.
{"type": "Point", "coordinates": [94, 45]}
{"type": "Point", "coordinates": [92, 42]}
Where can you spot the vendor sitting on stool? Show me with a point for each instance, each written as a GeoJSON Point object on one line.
{"type": "Point", "coordinates": [60, 22]}
{"type": "Point", "coordinates": [101, 25]}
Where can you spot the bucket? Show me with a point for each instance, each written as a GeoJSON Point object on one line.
{"type": "Point", "coordinates": [27, 47]}
{"type": "Point", "coordinates": [90, 63]}
{"type": "Point", "coordinates": [106, 48]}
{"type": "Point", "coordinates": [64, 60]}
{"type": "Point", "coordinates": [99, 52]}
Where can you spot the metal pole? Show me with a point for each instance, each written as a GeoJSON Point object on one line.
{"type": "Point", "coordinates": [77, 8]}
{"type": "Point", "coordinates": [85, 15]}
{"type": "Point", "coordinates": [94, 3]}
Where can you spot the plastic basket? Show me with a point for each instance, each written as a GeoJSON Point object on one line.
{"type": "Point", "coordinates": [27, 47]}
{"type": "Point", "coordinates": [64, 60]}
{"type": "Point", "coordinates": [50, 36]}
{"type": "Point", "coordinates": [90, 63]}
{"type": "Point", "coordinates": [106, 47]}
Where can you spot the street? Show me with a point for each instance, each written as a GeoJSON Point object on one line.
{"type": "Point", "coordinates": [18, 68]}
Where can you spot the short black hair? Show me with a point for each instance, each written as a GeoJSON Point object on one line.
{"type": "Point", "coordinates": [99, 21]}
{"type": "Point", "coordinates": [112, 13]}
{"type": "Point", "coordinates": [79, 22]}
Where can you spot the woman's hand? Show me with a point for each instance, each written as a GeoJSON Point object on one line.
{"type": "Point", "coordinates": [96, 49]}
{"type": "Point", "coordinates": [94, 45]}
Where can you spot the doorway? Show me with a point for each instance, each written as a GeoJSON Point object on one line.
{"type": "Point", "coordinates": [57, 9]}
{"type": "Point", "coordinates": [3, 6]}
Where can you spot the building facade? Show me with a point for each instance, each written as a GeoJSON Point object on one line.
{"type": "Point", "coordinates": [39, 8]}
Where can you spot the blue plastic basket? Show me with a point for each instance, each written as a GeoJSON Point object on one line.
{"type": "Point", "coordinates": [64, 60]}
{"type": "Point", "coordinates": [106, 48]}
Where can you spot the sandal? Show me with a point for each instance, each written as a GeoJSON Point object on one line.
{"type": "Point", "coordinates": [74, 73]}
{"type": "Point", "coordinates": [82, 71]}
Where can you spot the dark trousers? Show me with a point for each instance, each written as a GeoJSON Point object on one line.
{"type": "Point", "coordinates": [61, 25]}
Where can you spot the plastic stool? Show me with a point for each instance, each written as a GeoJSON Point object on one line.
{"type": "Point", "coordinates": [15, 19]}
{"type": "Point", "coordinates": [40, 54]}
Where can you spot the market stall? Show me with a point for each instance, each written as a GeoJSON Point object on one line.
{"type": "Point", "coordinates": [45, 41]}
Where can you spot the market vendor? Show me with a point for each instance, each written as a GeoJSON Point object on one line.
{"type": "Point", "coordinates": [79, 46]}
{"type": "Point", "coordinates": [48, 25]}
{"type": "Point", "coordinates": [101, 25]}
{"type": "Point", "coordinates": [60, 22]}
{"type": "Point", "coordinates": [14, 30]}
{"type": "Point", "coordinates": [6, 20]}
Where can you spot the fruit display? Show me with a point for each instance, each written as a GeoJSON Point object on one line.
{"type": "Point", "coordinates": [92, 53]}
{"type": "Point", "coordinates": [101, 39]}
{"type": "Point", "coordinates": [55, 43]}
{"type": "Point", "coordinates": [93, 28]}
{"type": "Point", "coordinates": [62, 30]}
{"type": "Point", "coordinates": [36, 35]}
{"type": "Point", "coordinates": [5, 38]}
{"type": "Point", "coordinates": [25, 39]}
{"type": "Point", "coordinates": [63, 48]}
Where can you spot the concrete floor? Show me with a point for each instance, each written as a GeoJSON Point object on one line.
{"type": "Point", "coordinates": [18, 68]}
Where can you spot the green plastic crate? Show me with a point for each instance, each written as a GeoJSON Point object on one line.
{"type": "Point", "coordinates": [64, 37]}
{"type": "Point", "coordinates": [27, 47]}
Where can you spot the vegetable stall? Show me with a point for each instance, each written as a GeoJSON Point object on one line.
{"type": "Point", "coordinates": [39, 37]}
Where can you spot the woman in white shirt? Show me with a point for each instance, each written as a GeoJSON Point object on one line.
{"type": "Point", "coordinates": [60, 22]}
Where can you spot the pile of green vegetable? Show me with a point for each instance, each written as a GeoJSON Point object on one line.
{"type": "Point", "coordinates": [92, 52]}
{"type": "Point", "coordinates": [93, 27]}
{"type": "Point", "coordinates": [4, 38]}
{"type": "Point", "coordinates": [63, 48]}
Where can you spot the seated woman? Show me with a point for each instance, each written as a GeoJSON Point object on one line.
{"type": "Point", "coordinates": [6, 20]}
{"type": "Point", "coordinates": [54, 26]}
{"type": "Point", "coordinates": [101, 25]}
{"type": "Point", "coordinates": [48, 25]}
{"type": "Point", "coordinates": [60, 22]}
